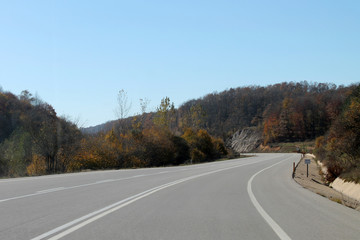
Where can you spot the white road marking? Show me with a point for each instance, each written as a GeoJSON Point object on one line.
{"type": "Point", "coordinates": [91, 217]}
{"type": "Point", "coordinates": [51, 190]}
{"type": "Point", "coordinates": [276, 228]}
{"type": "Point", "coordinates": [105, 181]}
{"type": "Point", "coordinates": [83, 185]}
{"type": "Point", "coordinates": [19, 197]}
{"type": "Point", "coordinates": [72, 187]}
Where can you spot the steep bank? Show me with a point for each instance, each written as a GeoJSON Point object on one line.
{"type": "Point", "coordinates": [315, 183]}
{"type": "Point", "coordinates": [350, 189]}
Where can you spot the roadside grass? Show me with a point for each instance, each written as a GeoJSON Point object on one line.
{"type": "Point", "coordinates": [288, 147]}
{"type": "Point", "coordinates": [337, 200]}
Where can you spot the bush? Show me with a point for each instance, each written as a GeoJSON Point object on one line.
{"type": "Point", "coordinates": [334, 169]}
{"type": "Point", "coordinates": [197, 156]}
{"type": "Point", "coordinates": [203, 146]}
{"type": "Point", "coordinates": [182, 150]}
{"type": "Point", "coordinates": [37, 166]}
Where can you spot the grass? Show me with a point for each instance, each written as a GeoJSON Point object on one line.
{"type": "Point", "coordinates": [288, 147]}
{"type": "Point", "coordinates": [337, 200]}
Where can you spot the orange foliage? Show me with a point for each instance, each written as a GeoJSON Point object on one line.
{"type": "Point", "coordinates": [270, 131]}
{"type": "Point", "coordinates": [37, 166]}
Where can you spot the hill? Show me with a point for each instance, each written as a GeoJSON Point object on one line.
{"type": "Point", "coordinates": [283, 112]}
{"type": "Point", "coordinates": [34, 140]}
{"type": "Point", "coordinates": [32, 137]}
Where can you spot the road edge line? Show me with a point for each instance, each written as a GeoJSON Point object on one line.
{"type": "Point", "coordinates": [275, 227]}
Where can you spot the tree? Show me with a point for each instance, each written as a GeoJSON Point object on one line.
{"type": "Point", "coordinates": [195, 118]}
{"type": "Point", "coordinates": [203, 147]}
{"type": "Point", "coordinates": [68, 137]}
{"type": "Point", "coordinates": [123, 105]}
{"type": "Point", "coordinates": [165, 114]}
{"type": "Point", "coordinates": [144, 103]}
{"type": "Point", "coordinates": [341, 151]}
{"type": "Point", "coordinates": [16, 152]}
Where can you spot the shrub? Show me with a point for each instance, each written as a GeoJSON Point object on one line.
{"type": "Point", "coordinates": [37, 166]}
{"type": "Point", "coordinates": [197, 156]}
{"type": "Point", "coordinates": [334, 169]}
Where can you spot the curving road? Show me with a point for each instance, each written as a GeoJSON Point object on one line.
{"type": "Point", "coordinates": [248, 198]}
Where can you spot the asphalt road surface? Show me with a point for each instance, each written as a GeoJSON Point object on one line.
{"type": "Point", "coordinates": [248, 198]}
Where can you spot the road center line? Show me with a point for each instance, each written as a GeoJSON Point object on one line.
{"type": "Point", "coordinates": [276, 228]}
{"type": "Point", "coordinates": [88, 184]}
{"type": "Point", "coordinates": [50, 190]}
{"type": "Point", "coordinates": [76, 224]}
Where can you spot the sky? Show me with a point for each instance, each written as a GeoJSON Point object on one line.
{"type": "Point", "coordinates": [77, 55]}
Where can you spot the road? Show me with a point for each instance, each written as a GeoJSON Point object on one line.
{"type": "Point", "coordinates": [247, 198]}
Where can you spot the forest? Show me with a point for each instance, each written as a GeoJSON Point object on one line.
{"type": "Point", "coordinates": [35, 141]}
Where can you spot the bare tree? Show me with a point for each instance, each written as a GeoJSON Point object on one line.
{"type": "Point", "coordinates": [123, 105]}
{"type": "Point", "coordinates": [144, 102]}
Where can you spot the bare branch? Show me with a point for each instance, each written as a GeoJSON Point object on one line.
{"type": "Point", "coordinates": [123, 105]}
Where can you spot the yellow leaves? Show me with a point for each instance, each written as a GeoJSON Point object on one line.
{"type": "Point", "coordinates": [270, 129]}
{"type": "Point", "coordinates": [133, 162]}
{"type": "Point", "coordinates": [37, 166]}
{"type": "Point", "coordinates": [165, 113]}
{"type": "Point", "coordinates": [96, 153]}
{"type": "Point", "coordinates": [189, 135]}
{"type": "Point", "coordinates": [352, 115]}
{"type": "Point", "coordinates": [136, 123]}
{"type": "Point", "coordinates": [286, 102]}
{"type": "Point", "coordinates": [219, 146]}
{"type": "Point", "coordinates": [203, 146]}
{"type": "Point", "coordinates": [319, 142]}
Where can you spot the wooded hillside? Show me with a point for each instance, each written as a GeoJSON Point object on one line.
{"type": "Point", "coordinates": [284, 112]}
{"type": "Point", "coordinates": [34, 140]}
{"type": "Point", "coordinates": [340, 147]}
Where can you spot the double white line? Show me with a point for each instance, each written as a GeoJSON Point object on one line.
{"type": "Point", "coordinates": [76, 224]}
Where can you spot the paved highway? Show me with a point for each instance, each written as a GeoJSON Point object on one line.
{"type": "Point", "coordinates": [248, 198]}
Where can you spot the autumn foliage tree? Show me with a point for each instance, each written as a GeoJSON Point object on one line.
{"type": "Point", "coordinates": [33, 139]}
{"type": "Point", "coordinates": [340, 149]}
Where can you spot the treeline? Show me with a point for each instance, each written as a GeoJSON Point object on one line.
{"type": "Point", "coordinates": [147, 140]}
{"type": "Point", "coordinates": [340, 147]}
{"type": "Point", "coordinates": [35, 141]}
{"type": "Point", "coordinates": [290, 112]}
{"type": "Point", "coordinates": [146, 148]}
{"type": "Point", "coordinates": [283, 112]}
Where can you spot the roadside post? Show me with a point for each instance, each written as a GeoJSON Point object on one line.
{"type": "Point", "coordinates": [293, 173]}
{"type": "Point", "coordinates": [307, 162]}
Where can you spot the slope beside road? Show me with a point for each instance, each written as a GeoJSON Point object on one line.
{"type": "Point", "coordinates": [309, 176]}
{"type": "Point", "coordinates": [250, 198]}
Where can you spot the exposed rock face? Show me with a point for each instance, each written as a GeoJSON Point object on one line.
{"type": "Point", "coordinates": [245, 140]}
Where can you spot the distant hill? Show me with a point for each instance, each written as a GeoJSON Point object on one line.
{"type": "Point", "coordinates": [35, 141]}
{"type": "Point", "coordinates": [105, 127]}
{"type": "Point", "coordinates": [282, 112]}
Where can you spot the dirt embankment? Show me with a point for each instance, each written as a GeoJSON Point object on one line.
{"type": "Point", "coordinates": [315, 182]}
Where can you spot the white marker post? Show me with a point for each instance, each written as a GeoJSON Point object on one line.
{"type": "Point", "coordinates": [307, 162]}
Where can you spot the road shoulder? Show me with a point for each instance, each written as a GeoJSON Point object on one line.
{"type": "Point", "coordinates": [315, 183]}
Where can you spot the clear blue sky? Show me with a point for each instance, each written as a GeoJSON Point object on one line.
{"type": "Point", "coordinates": [76, 55]}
